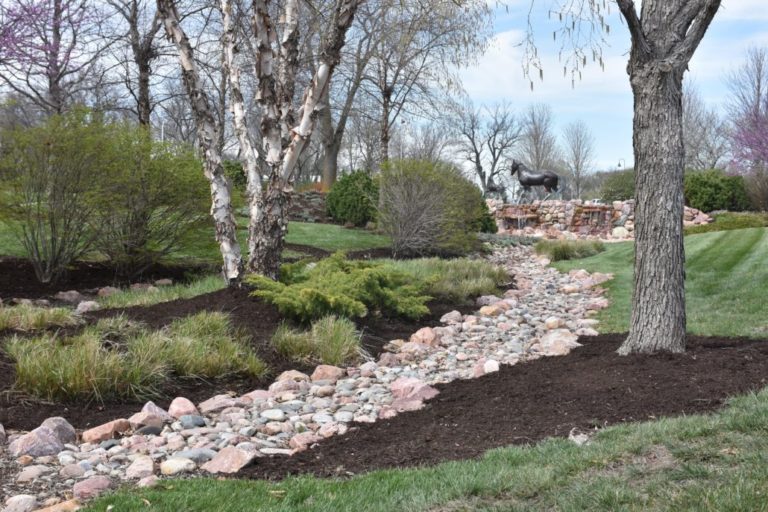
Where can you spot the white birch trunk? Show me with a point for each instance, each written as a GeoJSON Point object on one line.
{"type": "Point", "coordinates": [249, 155]}
{"type": "Point", "coordinates": [208, 136]}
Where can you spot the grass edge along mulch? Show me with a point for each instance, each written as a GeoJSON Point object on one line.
{"type": "Point", "coordinates": [699, 462]}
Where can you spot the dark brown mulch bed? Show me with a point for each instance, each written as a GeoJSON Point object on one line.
{"type": "Point", "coordinates": [591, 387]}
{"type": "Point", "coordinates": [17, 278]}
{"type": "Point", "coordinates": [258, 319]}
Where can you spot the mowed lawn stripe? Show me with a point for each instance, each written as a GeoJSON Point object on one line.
{"type": "Point", "coordinates": [729, 295]}
{"type": "Point", "coordinates": [726, 279]}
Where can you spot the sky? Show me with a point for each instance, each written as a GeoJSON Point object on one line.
{"type": "Point", "coordinates": [603, 99]}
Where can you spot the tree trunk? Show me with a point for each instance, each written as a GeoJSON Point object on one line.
{"type": "Point", "coordinates": [658, 300]}
{"type": "Point", "coordinates": [330, 164]}
{"type": "Point", "coordinates": [331, 148]}
{"type": "Point", "coordinates": [269, 238]}
{"type": "Point", "coordinates": [208, 138]}
{"type": "Point", "coordinates": [144, 104]}
{"type": "Point", "coordinates": [386, 105]}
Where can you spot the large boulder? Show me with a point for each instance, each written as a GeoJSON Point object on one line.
{"type": "Point", "coordinates": [47, 439]}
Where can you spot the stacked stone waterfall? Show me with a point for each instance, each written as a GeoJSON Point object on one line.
{"type": "Point", "coordinates": [575, 219]}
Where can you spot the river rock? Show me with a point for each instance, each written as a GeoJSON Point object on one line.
{"type": "Point", "coordinates": [106, 431]}
{"type": "Point", "coordinates": [91, 487]}
{"type": "Point", "coordinates": [20, 503]}
{"type": "Point", "coordinates": [176, 465]}
{"type": "Point", "coordinates": [228, 460]}
{"type": "Point", "coordinates": [180, 406]}
{"type": "Point", "coordinates": [328, 372]}
{"type": "Point", "coordinates": [454, 317]}
{"type": "Point", "coordinates": [143, 466]}
{"type": "Point", "coordinates": [558, 342]}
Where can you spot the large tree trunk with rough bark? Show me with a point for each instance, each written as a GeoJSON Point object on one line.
{"type": "Point", "coordinates": [208, 138]}
{"type": "Point", "coordinates": [664, 38]}
{"type": "Point", "coordinates": [658, 302]}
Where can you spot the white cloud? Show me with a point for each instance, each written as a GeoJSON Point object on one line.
{"type": "Point", "coordinates": [748, 10]}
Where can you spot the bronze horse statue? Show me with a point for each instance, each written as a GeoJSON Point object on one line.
{"type": "Point", "coordinates": [528, 178]}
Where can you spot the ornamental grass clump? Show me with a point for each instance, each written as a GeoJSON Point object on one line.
{"type": "Point", "coordinates": [118, 358]}
{"type": "Point", "coordinates": [31, 318]}
{"type": "Point", "coordinates": [453, 280]}
{"type": "Point", "coordinates": [558, 250]}
{"type": "Point", "coordinates": [204, 345]}
{"type": "Point", "coordinates": [85, 365]}
{"type": "Point", "coordinates": [331, 340]}
{"type": "Point", "coordinates": [337, 286]}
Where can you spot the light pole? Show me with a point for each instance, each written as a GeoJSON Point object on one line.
{"type": "Point", "coordinates": [621, 163]}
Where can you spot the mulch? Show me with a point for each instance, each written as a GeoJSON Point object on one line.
{"type": "Point", "coordinates": [17, 277]}
{"type": "Point", "coordinates": [590, 388]}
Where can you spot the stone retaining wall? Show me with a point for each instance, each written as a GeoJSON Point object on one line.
{"type": "Point", "coordinates": [575, 219]}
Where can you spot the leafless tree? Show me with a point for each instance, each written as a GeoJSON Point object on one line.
{"type": "Point", "coordinates": [578, 154]}
{"type": "Point", "coordinates": [417, 44]}
{"type": "Point", "coordinates": [748, 123]}
{"type": "Point", "coordinates": [138, 29]}
{"type": "Point", "coordinates": [485, 138]}
{"type": "Point", "coordinates": [59, 55]}
{"type": "Point", "coordinates": [705, 133]}
{"type": "Point", "coordinates": [538, 142]}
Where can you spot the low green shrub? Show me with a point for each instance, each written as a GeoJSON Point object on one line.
{"type": "Point", "coordinates": [337, 286]}
{"type": "Point", "coordinates": [488, 223]}
{"type": "Point", "coordinates": [453, 280]}
{"type": "Point", "coordinates": [331, 340]}
{"type": "Point", "coordinates": [430, 208]}
{"type": "Point", "coordinates": [714, 190]}
{"type": "Point", "coordinates": [558, 250]}
{"type": "Point", "coordinates": [727, 221]}
{"type": "Point", "coordinates": [30, 318]}
{"type": "Point", "coordinates": [117, 358]}
{"type": "Point", "coordinates": [353, 199]}
{"type": "Point", "coordinates": [336, 340]}
{"type": "Point", "coordinates": [293, 343]}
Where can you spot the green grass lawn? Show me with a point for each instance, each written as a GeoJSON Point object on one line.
{"type": "Point", "coordinates": [707, 462]}
{"type": "Point", "coordinates": [726, 279]}
{"type": "Point", "coordinates": [200, 246]}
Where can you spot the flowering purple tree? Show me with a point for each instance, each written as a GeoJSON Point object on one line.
{"type": "Point", "coordinates": [750, 141]}
{"type": "Point", "coordinates": [48, 49]}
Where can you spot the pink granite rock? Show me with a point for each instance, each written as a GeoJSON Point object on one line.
{"type": "Point", "coordinates": [106, 431]}
{"type": "Point", "coordinates": [328, 372]}
{"type": "Point", "coordinates": [91, 487]}
{"type": "Point", "coordinates": [182, 407]}
{"type": "Point", "coordinates": [229, 460]}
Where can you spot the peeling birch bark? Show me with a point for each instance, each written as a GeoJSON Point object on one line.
{"type": "Point", "coordinates": [208, 136]}
{"type": "Point", "coordinates": [248, 153]}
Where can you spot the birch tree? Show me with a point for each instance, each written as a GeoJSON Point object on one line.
{"type": "Point", "coordinates": [285, 127]}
